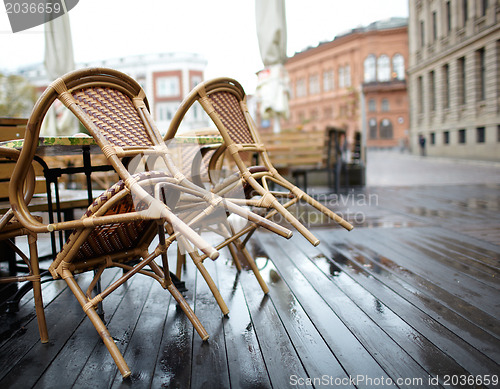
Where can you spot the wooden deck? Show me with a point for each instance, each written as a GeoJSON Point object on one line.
{"type": "Point", "coordinates": [409, 297]}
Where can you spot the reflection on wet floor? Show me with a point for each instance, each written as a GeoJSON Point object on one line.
{"type": "Point", "coordinates": [411, 292]}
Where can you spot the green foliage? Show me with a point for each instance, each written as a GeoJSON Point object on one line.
{"type": "Point", "coordinates": [17, 96]}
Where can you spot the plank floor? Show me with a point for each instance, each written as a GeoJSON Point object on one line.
{"type": "Point", "coordinates": [410, 297]}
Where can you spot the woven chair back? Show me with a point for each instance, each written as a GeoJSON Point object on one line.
{"type": "Point", "coordinates": [228, 107]}
{"type": "Point", "coordinates": [115, 115]}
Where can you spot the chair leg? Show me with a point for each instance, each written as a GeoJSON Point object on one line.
{"type": "Point", "coordinates": [332, 215]}
{"type": "Point", "coordinates": [37, 289]}
{"type": "Point", "coordinates": [181, 260]}
{"type": "Point", "coordinates": [295, 223]}
{"type": "Point", "coordinates": [188, 311]}
{"type": "Point", "coordinates": [174, 291]}
{"type": "Point", "coordinates": [99, 326]}
{"type": "Point", "coordinates": [243, 250]}
{"type": "Point", "coordinates": [210, 282]}
{"type": "Point", "coordinates": [234, 254]}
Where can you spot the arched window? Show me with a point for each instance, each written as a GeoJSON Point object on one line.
{"type": "Point", "coordinates": [386, 129]}
{"type": "Point", "coordinates": [383, 68]}
{"type": "Point", "coordinates": [385, 105]}
{"type": "Point", "coordinates": [370, 67]}
{"type": "Point", "coordinates": [398, 67]}
{"type": "Point", "coordinates": [372, 128]}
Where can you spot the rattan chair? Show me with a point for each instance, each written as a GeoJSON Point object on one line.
{"type": "Point", "coordinates": [224, 100]}
{"type": "Point", "coordinates": [11, 228]}
{"type": "Point", "coordinates": [120, 225]}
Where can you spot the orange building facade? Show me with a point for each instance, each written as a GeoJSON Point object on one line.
{"type": "Point", "coordinates": [355, 83]}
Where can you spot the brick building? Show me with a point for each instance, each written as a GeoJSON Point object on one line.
{"type": "Point", "coordinates": [360, 74]}
{"type": "Point", "coordinates": [454, 77]}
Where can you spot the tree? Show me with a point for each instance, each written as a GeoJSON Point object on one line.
{"type": "Point", "coordinates": [17, 96]}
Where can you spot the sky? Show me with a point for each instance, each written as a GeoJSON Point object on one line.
{"type": "Point", "coordinates": [223, 31]}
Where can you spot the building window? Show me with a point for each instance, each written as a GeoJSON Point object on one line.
{"type": "Point", "coordinates": [446, 137]}
{"type": "Point", "coordinates": [313, 84]}
{"type": "Point", "coordinates": [383, 68]}
{"type": "Point", "coordinates": [372, 128]}
{"type": "Point", "coordinates": [328, 80]}
{"type": "Point", "coordinates": [370, 68]}
{"type": "Point", "coordinates": [386, 129]}
{"type": "Point", "coordinates": [446, 86]}
{"type": "Point", "coordinates": [347, 76]}
{"type": "Point", "coordinates": [372, 106]}
{"type": "Point", "coordinates": [498, 68]}
{"type": "Point", "coordinates": [420, 94]}
{"type": "Point", "coordinates": [165, 111]}
{"type": "Point", "coordinates": [195, 80]}
{"type": "Point", "coordinates": [300, 88]}
{"type": "Point", "coordinates": [328, 112]}
{"type": "Point", "coordinates": [465, 11]}
{"type": "Point", "coordinates": [385, 105]}
{"type": "Point", "coordinates": [484, 7]}
{"type": "Point", "coordinates": [196, 110]}
{"type": "Point", "coordinates": [434, 26]}
{"type": "Point", "coordinates": [432, 88]}
{"type": "Point", "coordinates": [168, 86]}
{"type": "Point", "coordinates": [480, 135]}
{"type": "Point", "coordinates": [422, 34]}
{"type": "Point", "coordinates": [398, 67]}
{"type": "Point", "coordinates": [432, 138]}
{"type": "Point", "coordinates": [462, 136]}
{"type": "Point", "coordinates": [461, 81]}
{"type": "Point", "coordinates": [448, 16]}
{"type": "Point", "coordinates": [481, 73]}
{"type": "Point", "coordinates": [341, 77]}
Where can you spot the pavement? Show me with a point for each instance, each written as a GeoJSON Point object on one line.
{"type": "Point", "coordinates": [393, 168]}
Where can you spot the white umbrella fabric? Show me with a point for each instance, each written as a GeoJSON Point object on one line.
{"type": "Point", "coordinates": [273, 84]}
{"type": "Point", "coordinates": [59, 60]}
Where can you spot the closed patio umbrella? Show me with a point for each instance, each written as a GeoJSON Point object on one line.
{"type": "Point", "coordinates": [272, 87]}
{"type": "Point", "coordinates": [59, 60]}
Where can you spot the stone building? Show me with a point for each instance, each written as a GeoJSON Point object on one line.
{"type": "Point", "coordinates": [454, 77]}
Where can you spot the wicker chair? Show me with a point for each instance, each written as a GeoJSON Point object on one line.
{"type": "Point", "coordinates": [120, 225]}
{"type": "Point", "coordinates": [224, 100]}
{"type": "Point", "coordinates": [11, 228]}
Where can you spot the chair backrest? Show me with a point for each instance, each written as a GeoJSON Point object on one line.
{"type": "Point", "coordinates": [224, 100]}
{"type": "Point", "coordinates": [8, 157]}
{"type": "Point", "coordinates": [11, 129]}
{"type": "Point", "coordinates": [113, 108]}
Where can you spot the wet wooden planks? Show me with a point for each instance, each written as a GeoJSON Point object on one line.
{"type": "Point", "coordinates": [402, 298]}
{"type": "Point", "coordinates": [344, 311]}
